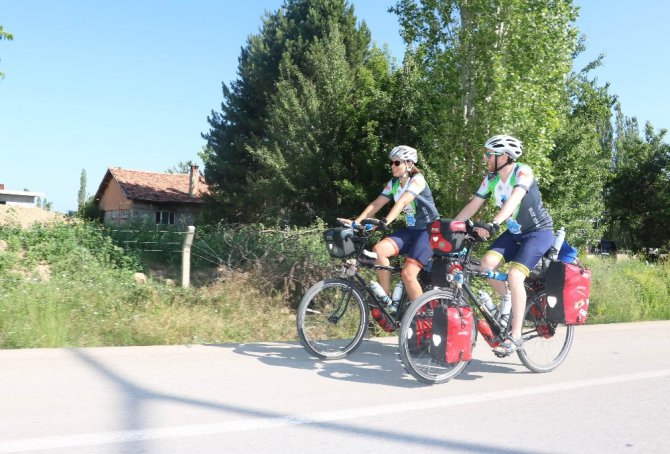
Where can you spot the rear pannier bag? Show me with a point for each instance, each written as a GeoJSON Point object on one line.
{"type": "Point", "coordinates": [339, 242]}
{"type": "Point", "coordinates": [451, 339]}
{"type": "Point", "coordinates": [568, 288]}
{"type": "Point", "coordinates": [446, 236]}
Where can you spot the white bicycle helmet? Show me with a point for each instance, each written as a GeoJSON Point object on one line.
{"type": "Point", "coordinates": [404, 153]}
{"type": "Point", "coordinates": [509, 145]}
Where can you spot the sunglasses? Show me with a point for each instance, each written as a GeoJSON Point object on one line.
{"type": "Point", "coordinates": [396, 163]}
{"type": "Point", "coordinates": [488, 154]}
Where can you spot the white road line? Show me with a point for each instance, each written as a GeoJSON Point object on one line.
{"type": "Point", "coordinates": [103, 438]}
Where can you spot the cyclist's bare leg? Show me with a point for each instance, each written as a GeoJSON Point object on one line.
{"type": "Point", "coordinates": [384, 249]}
{"type": "Point", "coordinates": [490, 262]}
{"type": "Point", "coordinates": [515, 278]}
{"type": "Point", "coordinates": [410, 272]}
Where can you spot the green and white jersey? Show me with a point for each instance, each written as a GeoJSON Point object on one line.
{"type": "Point", "coordinates": [530, 214]}
{"type": "Point", "coordinates": [422, 210]}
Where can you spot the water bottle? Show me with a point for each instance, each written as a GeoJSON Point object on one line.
{"type": "Point", "coordinates": [380, 293]}
{"type": "Point", "coordinates": [396, 297]}
{"type": "Point", "coordinates": [558, 242]}
{"type": "Point", "coordinates": [384, 321]}
{"type": "Point", "coordinates": [485, 330]}
{"type": "Point", "coordinates": [397, 292]}
{"type": "Point", "coordinates": [486, 300]}
{"type": "Point", "coordinates": [505, 309]}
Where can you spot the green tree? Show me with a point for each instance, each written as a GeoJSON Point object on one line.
{"type": "Point", "coordinates": [181, 167]}
{"type": "Point", "coordinates": [287, 34]}
{"type": "Point", "coordinates": [81, 196]}
{"type": "Point", "coordinates": [638, 192]}
{"type": "Point", "coordinates": [581, 158]}
{"type": "Point", "coordinates": [322, 142]}
{"type": "Point", "coordinates": [489, 67]}
{"type": "Point", "coordinates": [7, 36]}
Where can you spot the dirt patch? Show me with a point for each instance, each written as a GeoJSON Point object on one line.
{"type": "Point", "coordinates": [27, 216]}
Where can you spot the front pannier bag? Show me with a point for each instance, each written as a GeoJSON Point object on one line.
{"type": "Point", "coordinates": [339, 242]}
{"type": "Point", "coordinates": [451, 339]}
{"type": "Point", "coordinates": [447, 236]}
{"type": "Point", "coordinates": [568, 288]}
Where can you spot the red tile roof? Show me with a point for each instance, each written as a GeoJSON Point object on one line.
{"type": "Point", "coordinates": [153, 186]}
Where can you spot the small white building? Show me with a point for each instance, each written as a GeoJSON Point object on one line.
{"type": "Point", "coordinates": [19, 198]}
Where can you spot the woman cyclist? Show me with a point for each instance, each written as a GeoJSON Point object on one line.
{"type": "Point", "coordinates": [529, 227]}
{"type": "Point", "coordinates": [408, 189]}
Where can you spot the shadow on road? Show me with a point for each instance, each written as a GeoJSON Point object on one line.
{"type": "Point", "coordinates": [136, 399]}
{"type": "Point", "coordinates": [373, 362]}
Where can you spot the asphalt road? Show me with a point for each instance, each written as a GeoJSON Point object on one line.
{"type": "Point", "coordinates": [612, 394]}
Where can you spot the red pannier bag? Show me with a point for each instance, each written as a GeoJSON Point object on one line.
{"type": "Point", "coordinates": [453, 327]}
{"type": "Point", "coordinates": [422, 327]}
{"type": "Point", "coordinates": [568, 288]}
{"type": "Point", "coordinates": [446, 236]}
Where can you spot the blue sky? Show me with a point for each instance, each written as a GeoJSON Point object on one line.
{"type": "Point", "coordinates": [128, 83]}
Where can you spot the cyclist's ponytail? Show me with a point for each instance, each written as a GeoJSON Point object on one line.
{"type": "Point", "coordinates": [414, 171]}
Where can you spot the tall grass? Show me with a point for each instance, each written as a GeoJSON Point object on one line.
{"type": "Point", "coordinates": [629, 290]}
{"type": "Point", "coordinates": [70, 285]}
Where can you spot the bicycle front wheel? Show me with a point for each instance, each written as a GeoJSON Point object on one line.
{"type": "Point", "coordinates": [545, 344]}
{"type": "Point", "coordinates": [332, 319]}
{"type": "Point", "coordinates": [415, 339]}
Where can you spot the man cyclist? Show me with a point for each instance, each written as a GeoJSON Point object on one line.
{"type": "Point", "coordinates": [408, 189]}
{"type": "Point", "coordinates": [513, 188]}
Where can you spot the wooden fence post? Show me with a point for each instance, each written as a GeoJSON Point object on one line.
{"type": "Point", "coordinates": [186, 257]}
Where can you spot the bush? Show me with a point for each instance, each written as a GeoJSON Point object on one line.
{"type": "Point", "coordinates": [70, 285]}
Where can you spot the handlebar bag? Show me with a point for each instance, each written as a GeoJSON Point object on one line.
{"type": "Point", "coordinates": [339, 242]}
{"type": "Point", "coordinates": [451, 339]}
{"type": "Point", "coordinates": [447, 236]}
{"type": "Point", "coordinates": [568, 288]}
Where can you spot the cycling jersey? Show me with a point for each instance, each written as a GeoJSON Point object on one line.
{"type": "Point", "coordinates": [422, 209]}
{"type": "Point", "coordinates": [531, 214]}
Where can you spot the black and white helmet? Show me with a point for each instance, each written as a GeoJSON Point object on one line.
{"type": "Point", "coordinates": [404, 153]}
{"type": "Point", "coordinates": [509, 145]}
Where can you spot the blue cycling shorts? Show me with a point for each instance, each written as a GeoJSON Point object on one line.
{"type": "Point", "coordinates": [413, 243]}
{"type": "Point", "coordinates": [524, 250]}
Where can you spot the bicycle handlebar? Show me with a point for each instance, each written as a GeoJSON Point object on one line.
{"type": "Point", "coordinates": [365, 225]}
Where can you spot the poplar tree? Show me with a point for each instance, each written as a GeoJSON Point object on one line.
{"type": "Point", "coordinates": [489, 68]}
{"type": "Point", "coordinates": [81, 196]}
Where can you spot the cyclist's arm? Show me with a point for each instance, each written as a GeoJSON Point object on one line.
{"type": "Point", "coordinates": [471, 208]}
{"type": "Point", "coordinates": [373, 208]}
{"type": "Point", "coordinates": [397, 208]}
{"type": "Point", "coordinates": [510, 205]}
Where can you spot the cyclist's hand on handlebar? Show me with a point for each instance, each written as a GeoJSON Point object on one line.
{"type": "Point", "coordinates": [484, 230]}
{"type": "Point", "coordinates": [363, 225]}
{"type": "Point", "coordinates": [371, 223]}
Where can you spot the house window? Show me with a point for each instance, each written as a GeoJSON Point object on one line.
{"type": "Point", "coordinates": [165, 217]}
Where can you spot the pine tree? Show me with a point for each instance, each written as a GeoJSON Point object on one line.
{"type": "Point", "coordinates": [288, 34]}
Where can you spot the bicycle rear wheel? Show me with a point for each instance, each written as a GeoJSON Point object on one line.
{"type": "Point", "coordinates": [332, 318]}
{"type": "Point", "coordinates": [415, 336]}
{"type": "Point", "coordinates": [546, 344]}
